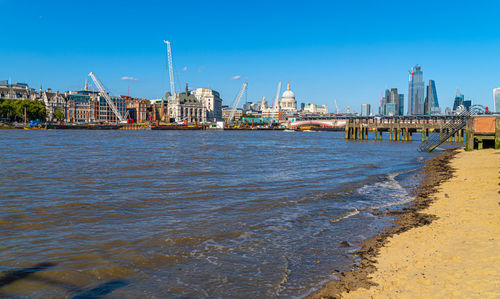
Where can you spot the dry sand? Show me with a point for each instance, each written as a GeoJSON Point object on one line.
{"type": "Point", "coordinates": [457, 255]}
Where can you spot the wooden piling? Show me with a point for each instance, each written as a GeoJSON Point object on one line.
{"type": "Point", "coordinates": [469, 132]}
{"type": "Point", "coordinates": [497, 133]}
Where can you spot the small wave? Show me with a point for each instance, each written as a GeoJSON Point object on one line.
{"type": "Point", "coordinates": [284, 278]}
{"type": "Point", "coordinates": [385, 193]}
{"type": "Point", "coordinates": [347, 215]}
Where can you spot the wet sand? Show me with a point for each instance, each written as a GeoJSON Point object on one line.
{"type": "Point", "coordinates": [446, 245]}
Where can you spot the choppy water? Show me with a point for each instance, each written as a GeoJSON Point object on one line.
{"type": "Point", "coordinates": [173, 214]}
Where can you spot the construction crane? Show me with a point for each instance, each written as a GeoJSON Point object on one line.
{"type": "Point", "coordinates": [236, 102]}
{"type": "Point", "coordinates": [108, 99]}
{"type": "Point", "coordinates": [276, 103]}
{"type": "Point", "coordinates": [170, 68]}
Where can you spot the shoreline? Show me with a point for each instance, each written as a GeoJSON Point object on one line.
{"type": "Point", "coordinates": [436, 171]}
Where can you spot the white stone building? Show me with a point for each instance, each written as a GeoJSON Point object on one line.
{"type": "Point", "coordinates": [52, 101]}
{"type": "Point", "coordinates": [186, 107]}
{"type": "Point", "coordinates": [315, 109]}
{"type": "Point", "coordinates": [16, 91]}
{"type": "Point", "coordinates": [211, 102]}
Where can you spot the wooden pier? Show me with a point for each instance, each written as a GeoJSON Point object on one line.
{"type": "Point", "coordinates": [400, 128]}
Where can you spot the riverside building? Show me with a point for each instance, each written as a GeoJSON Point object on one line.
{"type": "Point", "coordinates": [185, 107]}
{"type": "Point", "coordinates": [211, 102]}
{"type": "Point", "coordinates": [137, 109]}
{"type": "Point", "coordinates": [52, 102]}
{"type": "Point", "coordinates": [16, 91]}
{"type": "Point", "coordinates": [315, 108]}
{"type": "Point", "coordinates": [89, 106]}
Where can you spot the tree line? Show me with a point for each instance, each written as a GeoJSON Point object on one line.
{"type": "Point", "coordinates": [14, 109]}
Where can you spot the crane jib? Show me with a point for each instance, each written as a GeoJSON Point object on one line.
{"type": "Point", "coordinates": [107, 98]}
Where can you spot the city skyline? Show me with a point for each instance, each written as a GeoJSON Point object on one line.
{"type": "Point", "coordinates": [323, 49]}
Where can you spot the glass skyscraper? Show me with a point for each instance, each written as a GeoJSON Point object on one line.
{"type": "Point", "coordinates": [431, 99]}
{"type": "Point", "coordinates": [416, 91]}
{"type": "Point", "coordinates": [392, 103]}
{"type": "Point", "coordinates": [365, 110]}
{"type": "Point", "coordinates": [459, 100]}
{"type": "Point", "coordinates": [496, 99]}
{"type": "Point", "coordinates": [401, 104]}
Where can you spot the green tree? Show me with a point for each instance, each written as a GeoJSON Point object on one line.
{"type": "Point", "coordinates": [36, 110]}
{"type": "Point", "coordinates": [7, 109]}
{"type": "Point", "coordinates": [14, 109]}
{"type": "Point", "coordinates": [19, 107]}
{"type": "Point", "coordinates": [58, 114]}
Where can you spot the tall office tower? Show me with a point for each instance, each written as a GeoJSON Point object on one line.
{"type": "Point", "coordinates": [496, 99]}
{"type": "Point", "coordinates": [426, 106]}
{"type": "Point", "coordinates": [394, 99]}
{"type": "Point", "coordinates": [365, 110]}
{"type": "Point", "coordinates": [431, 99]}
{"type": "Point", "coordinates": [416, 91]}
{"type": "Point", "coordinates": [467, 105]}
{"type": "Point", "coordinates": [459, 100]}
{"type": "Point", "coordinates": [385, 99]}
{"type": "Point", "coordinates": [401, 104]}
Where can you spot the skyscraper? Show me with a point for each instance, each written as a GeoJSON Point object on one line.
{"type": "Point", "coordinates": [496, 99]}
{"type": "Point", "coordinates": [365, 110]}
{"type": "Point", "coordinates": [394, 99]}
{"type": "Point", "coordinates": [385, 99]}
{"type": "Point", "coordinates": [401, 104]}
{"type": "Point", "coordinates": [467, 104]}
{"type": "Point", "coordinates": [416, 91]}
{"type": "Point", "coordinates": [392, 103]}
{"type": "Point", "coordinates": [459, 100]}
{"type": "Point", "coordinates": [431, 99]}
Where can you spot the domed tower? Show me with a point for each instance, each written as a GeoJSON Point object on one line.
{"type": "Point", "coordinates": [288, 101]}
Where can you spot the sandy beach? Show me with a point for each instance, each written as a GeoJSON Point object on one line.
{"type": "Point", "coordinates": [447, 245]}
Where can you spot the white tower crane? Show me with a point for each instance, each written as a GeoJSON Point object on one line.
{"type": "Point", "coordinates": [236, 102]}
{"type": "Point", "coordinates": [170, 69]}
{"type": "Point", "coordinates": [108, 99]}
{"type": "Point", "coordinates": [277, 99]}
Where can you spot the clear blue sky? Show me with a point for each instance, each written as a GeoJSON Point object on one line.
{"type": "Point", "coordinates": [344, 50]}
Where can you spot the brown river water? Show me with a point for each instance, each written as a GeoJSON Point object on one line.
{"type": "Point", "coordinates": [205, 214]}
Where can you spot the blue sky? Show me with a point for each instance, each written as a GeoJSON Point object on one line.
{"type": "Point", "coordinates": [344, 50]}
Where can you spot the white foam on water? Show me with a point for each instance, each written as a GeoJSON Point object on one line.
{"type": "Point", "coordinates": [347, 215]}
{"type": "Point", "coordinates": [385, 194]}
{"type": "Point", "coordinates": [284, 277]}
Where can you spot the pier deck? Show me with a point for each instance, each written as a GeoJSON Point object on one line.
{"type": "Point", "coordinates": [399, 128]}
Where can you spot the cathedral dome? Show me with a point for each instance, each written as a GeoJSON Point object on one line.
{"type": "Point", "coordinates": [288, 101]}
{"type": "Point", "coordinates": [288, 94]}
